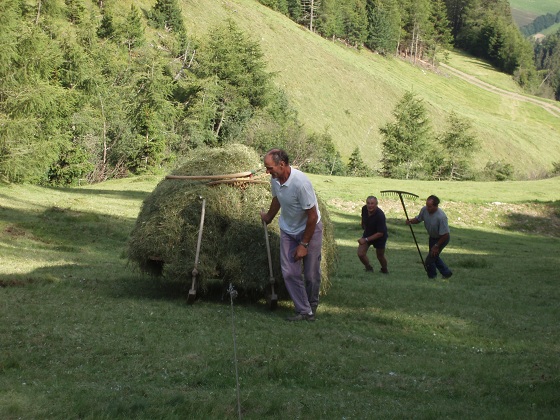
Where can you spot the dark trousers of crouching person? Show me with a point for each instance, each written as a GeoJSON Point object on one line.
{"type": "Point", "coordinates": [303, 289]}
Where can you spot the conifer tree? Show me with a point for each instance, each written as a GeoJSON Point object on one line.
{"type": "Point", "coordinates": [132, 31]}
{"type": "Point", "coordinates": [459, 145]}
{"type": "Point", "coordinates": [153, 115]}
{"type": "Point", "coordinates": [355, 23]}
{"type": "Point", "coordinates": [329, 20]}
{"type": "Point", "coordinates": [547, 54]}
{"type": "Point", "coordinates": [295, 10]}
{"type": "Point", "coordinates": [106, 27]}
{"type": "Point", "coordinates": [416, 19]}
{"type": "Point", "coordinates": [33, 107]}
{"type": "Point", "coordinates": [384, 26]}
{"type": "Point", "coordinates": [75, 11]}
{"type": "Point", "coordinates": [167, 14]}
{"type": "Point", "coordinates": [233, 81]}
{"type": "Point", "coordinates": [405, 139]}
{"type": "Point", "coordinates": [356, 165]}
{"type": "Point", "coordinates": [440, 37]}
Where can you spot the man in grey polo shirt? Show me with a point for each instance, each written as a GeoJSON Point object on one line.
{"type": "Point", "coordinates": [301, 232]}
{"type": "Point", "coordinates": [435, 222]}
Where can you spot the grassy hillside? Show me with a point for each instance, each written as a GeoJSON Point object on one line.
{"type": "Point", "coordinates": [351, 93]}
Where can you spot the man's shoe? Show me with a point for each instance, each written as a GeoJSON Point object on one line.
{"type": "Point", "coordinates": [447, 276]}
{"type": "Point", "coordinates": [384, 271]}
{"type": "Point", "coordinates": [370, 268]}
{"type": "Point", "coordinates": [301, 317]}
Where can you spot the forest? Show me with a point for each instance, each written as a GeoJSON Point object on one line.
{"type": "Point", "coordinates": [90, 92]}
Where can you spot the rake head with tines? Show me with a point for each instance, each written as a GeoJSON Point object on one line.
{"type": "Point", "coordinates": [414, 197]}
{"type": "Point", "coordinates": [399, 193]}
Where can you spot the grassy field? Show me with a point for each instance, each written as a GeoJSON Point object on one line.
{"type": "Point", "coordinates": [552, 29]}
{"type": "Point", "coordinates": [351, 93]}
{"type": "Point", "coordinates": [538, 7]}
{"type": "Point", "coordinates": [84, 335]}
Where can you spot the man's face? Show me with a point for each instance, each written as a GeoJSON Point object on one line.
{"type": "Point", "coordinates": [273, 169]}
{"type": "Point", "coordinates": [431, 207]}
{"type": "Point", "coordinates": [371, 205]}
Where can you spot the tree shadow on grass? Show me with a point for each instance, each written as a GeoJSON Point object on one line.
{"type": "Point", "coordinates": [545, 222]}
{"type": "Point", "coordinates": [126, 194]}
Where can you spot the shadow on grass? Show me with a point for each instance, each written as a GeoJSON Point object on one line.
{"type": "Point", "coordinates": [56, 226]}
{"type": "Point", "coordinates": [126, 194]}
{"type": "Point", "coordinates": [546, 222]}
{"type": "Point", "coordinates": [93, 247]}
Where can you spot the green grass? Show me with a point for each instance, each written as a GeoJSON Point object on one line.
{"type": "Point", "coordinates": [538, 7]}
{"type": "Point", "coordinates": [84, 335]}
{"type": "Point", "coordinates": [551, 30]}
{"type": "Point", "coordinates": [482, 71]}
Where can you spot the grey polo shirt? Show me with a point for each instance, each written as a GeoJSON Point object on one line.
{"type": "Point", "coordinates": [295, 196]}
{"type": "Point", "coordinates": [436, 223]}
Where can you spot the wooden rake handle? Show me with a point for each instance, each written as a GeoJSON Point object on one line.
{"type": "Point", "coordinates": [412, 195]}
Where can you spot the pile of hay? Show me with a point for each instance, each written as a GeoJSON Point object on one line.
{"type": "Point", "coordinates": [233, 245]}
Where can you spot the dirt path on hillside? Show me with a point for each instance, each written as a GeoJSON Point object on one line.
{"type": "Point", "coordinates": [552, 108]}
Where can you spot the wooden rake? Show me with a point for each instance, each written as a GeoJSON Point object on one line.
{"type": "Point", "coordinates": [192, 292]}
{"type": "Point", "coordinates": [414, 197]}
{"type": "Point", "coordinates": [273, 301]}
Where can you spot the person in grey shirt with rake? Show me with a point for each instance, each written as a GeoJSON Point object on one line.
{"type": "Point", "coordinates": [301, 232]}
{"type": "Point", "coordinates": [435, 222]}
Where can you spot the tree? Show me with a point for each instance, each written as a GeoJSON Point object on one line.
{"type": "Point", "coordinates": [309, 8]}
{"type": "Point", "coordinates": [166, 14]}
{"type": "Point", "coordinates": [456, 13]}
{"type": "Point", "coordinates": [441, 38]}
{"type": "Point", "coordinates": [357, 166]}
{"type": "Point", "coordinates": [384, 26]}
{"type": "Point", "coordinates": [33, 107]}
{"type": "Point", "coordinates": [295, 10]}
{"type": "Point", "coordinates": [153, 114]}
{"type": "Point", "coordinates": [547, 57]}
{"type": "Point", "coordinates": [405, 139]}
{"type": "Point", "coordinates": [232, 83]}
{"type": "Point", "coordinates": [329, 20]}
{"type": "Point", "coordinates": [354, 21]}
{"type": "Point", "coordinates": [106, 28]}
{"type": "Point", "coordinates": [417, 26]}
{"type": "Point", "coordinates": [459, 145]}
{"type": "Point", "coordinates": [75, 10]}
{"type": "Point", "coordinates": [132, 31]}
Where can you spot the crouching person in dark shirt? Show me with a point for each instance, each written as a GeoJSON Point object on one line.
{"type": "Point", "coordinates": [375, 233]}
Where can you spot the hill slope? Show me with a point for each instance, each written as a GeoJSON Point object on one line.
{"type": "Point", "coordinates": [352, 93]}
{"type": "Point", "coordinates": [524, 12]}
